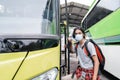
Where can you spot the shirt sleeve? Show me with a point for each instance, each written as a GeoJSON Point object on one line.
{"type": "Point", "coordinates": [91, 48]}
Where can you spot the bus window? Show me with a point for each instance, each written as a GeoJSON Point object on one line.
{"type": "Point", "coordinates": [24, 17]}
{"type": "Point", "coordinates": [20, 45]}
{"type": "Point", "coordinates": [101, 10]}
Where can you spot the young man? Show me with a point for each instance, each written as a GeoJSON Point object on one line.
{"type": "Point", "coordinates": [88, 66]}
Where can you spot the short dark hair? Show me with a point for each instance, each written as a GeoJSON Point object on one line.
{"type": "Point", "coordinates": [78, 28]}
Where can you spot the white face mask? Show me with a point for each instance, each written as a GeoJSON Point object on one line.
{"type": "Point", "coordinates": [79, 37]}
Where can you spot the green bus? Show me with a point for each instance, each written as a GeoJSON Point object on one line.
{"type": "Point", "coordinates": [102, 23]}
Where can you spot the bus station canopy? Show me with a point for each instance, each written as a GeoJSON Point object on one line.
{"type": "Point", "coordinates": [75, 11]}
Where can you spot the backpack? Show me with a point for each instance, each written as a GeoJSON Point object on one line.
{"type": "Point", "coordinates": [99, 53]}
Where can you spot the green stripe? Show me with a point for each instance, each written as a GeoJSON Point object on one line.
{"type": "Point", "coordinates": [109, 26]}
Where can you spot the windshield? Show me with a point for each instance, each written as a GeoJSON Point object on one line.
{"type": "Point", "coordinates": [22, 44]}
{"type": "Point", "coordinates": [27, 17]}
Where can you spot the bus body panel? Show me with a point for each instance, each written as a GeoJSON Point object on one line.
{"type": "Point", "coordinates": [112, 64]}
{"type": "Point", "coordinates": [9, 63]}
{"type": "Point", "coordinates": [107, 27]}
{"type": "Point", "coordinates": [39, 62]}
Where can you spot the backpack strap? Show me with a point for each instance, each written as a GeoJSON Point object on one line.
{"type": "Point", "coordinates": [86, 47]}
{"type": "Point", "coordinates": [88, 52]}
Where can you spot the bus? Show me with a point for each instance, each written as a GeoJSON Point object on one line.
{"type": "Point", "coordinates": [29, 40]}
{"type": "Point", "coordinates": [102, 25]}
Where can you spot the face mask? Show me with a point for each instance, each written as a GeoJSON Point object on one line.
{"type": "Point", "coordinates": [79, 37]}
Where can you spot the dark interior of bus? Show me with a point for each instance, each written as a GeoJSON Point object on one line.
{"type": "Point", "coordinates": [96, 15]}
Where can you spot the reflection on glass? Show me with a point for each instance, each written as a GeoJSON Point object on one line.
{"type": "Point", "coordinates": [27, 17]}
{"type": "Point", "coordinates": [102, 9]}
{"type": "Point", "coordinates": [18, 45]}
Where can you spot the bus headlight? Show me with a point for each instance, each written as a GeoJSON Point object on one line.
{"type": "Point", "coordinates": [49, 75]}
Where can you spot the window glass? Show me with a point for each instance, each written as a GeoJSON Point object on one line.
{"type": "Point", "coordinates": [20, 45]}
{"type": "Point", "coordinates": [101, 10]}
{"type": "Point", "coordinates": [27, 17]}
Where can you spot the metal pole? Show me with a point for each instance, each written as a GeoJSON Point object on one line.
{"type": "Point", "coordinates": [67, 27]}
{"type": "Point", "coordinates": [67, 30]}
{"type": "Point", "coordinates": [65, 47]}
